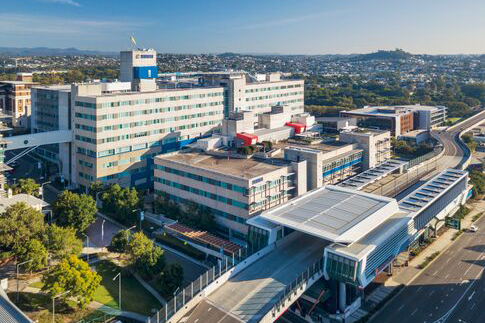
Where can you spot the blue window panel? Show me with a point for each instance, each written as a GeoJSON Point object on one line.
{"type": "Point", "coordinates": [145, 72]}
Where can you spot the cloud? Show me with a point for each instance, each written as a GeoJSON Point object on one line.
{"type": "Point", "coordinates": [68, 2]}
{"type": "Point", "coordinates": [24, 24]}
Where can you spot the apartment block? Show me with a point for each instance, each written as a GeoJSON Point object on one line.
{"type": "Point", "coordinates": [233, 189]}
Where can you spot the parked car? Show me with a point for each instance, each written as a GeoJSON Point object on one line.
{"type": "Point", "coordinates": [473, 228]}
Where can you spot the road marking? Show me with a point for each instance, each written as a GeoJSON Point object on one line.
{"type": "Point", "coordinates": [400, 307]}
{"type": "Point", "coordinates": [448, 275]}
{"type": "Point", "coordinates": [431, 293]}
{"type": "Point", "coordinates": [414, 312]}
{"type": "Point", "coordinates": [471, 296]}
{"type": "Point", "coordinates": [196, 321]}
{"type": "Point", "coordinates": [473, 306]}
{"type": "Point", "coordinates": [209, 309]}
{"type": "Point", "coordinates": [435, 273]}
{"type": "Point", "coordinates": [420, 288]}
{"type": "Point", "coordinates": [467, 270]}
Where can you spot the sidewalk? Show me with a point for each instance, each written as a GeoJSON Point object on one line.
{"type": "Point", "coordinates": [115, 312]}
{"type": "Point", "coordinates": [405, 275]}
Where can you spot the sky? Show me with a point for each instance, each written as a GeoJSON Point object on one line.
{"type": "Point", "coordinates": [248, 26]}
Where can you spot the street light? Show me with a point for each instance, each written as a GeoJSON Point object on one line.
{"type": "Point", "coordinates": [18, 265]}
{"type": "Point", "coordinates": [119, 289]}
{"type": "Point", "coordinates": [87, 245]}
{"type": "Point", "coordinates": [102, 230]}
{"type": "Point", "coordinates": [141, 214]}
{"type": "Point", "coordinates": [54, 305]}
{"type": "Point", "coordinates": [460, 320]}
{"type": "Point", "coordinates": [132, 227]}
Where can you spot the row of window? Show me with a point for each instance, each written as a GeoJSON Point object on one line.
{"type": "Point", "coordinates": [278, 95]}
{"type": "Point", "coordinates": [124, 174]}
{"type": "Point", "coordinates": [127, 161]}
{"type": "Point", "coordinates": [131, 114]}
{"type": "Point", "coordinates": [269, 105]}
{"type": "Point", "coordinates": [203, 179]}
{"type": "Point", "coordinates": [90, 105]}
{"type": "Point", "coordinates": [274, 88]}
{"type": "Point", "coordinates": [215, 212]}
{"type": "Point", "coordinates": [203, 193]}
{"type": "Point", "coordinates": [85, 163]}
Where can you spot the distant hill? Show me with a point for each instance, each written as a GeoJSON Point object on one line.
{"type": "Point", "coordinates": [383, 55]}
{"type": "Point", "coordinates": [45, 51]}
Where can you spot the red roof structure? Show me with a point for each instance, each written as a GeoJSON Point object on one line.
{"type": "Point", "coordinates": [299, 128]}
{"type": "Point", "coordinates": [249, 139]}
{"type": "Point", "coordinates": [204, 237]}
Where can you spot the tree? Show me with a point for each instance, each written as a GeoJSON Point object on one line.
{"type": "Point", "coordinates": [26, 186]}
{"type": "Point", "coordinates": [146, 257]}
{"type": "Point", "coordinates": [19, 224]}
{"type": "Point", "coordinates": [63, 242]}
{"type": "Point", "coordinates": [75, 210]}
{"type": "Point", "coordinates": [171, 278]}
{"type": "Point", "coordinates": [96, 188]}
{"type": "Point", "coordinates": [120, 241]}
{"type": "Point", "coordinates": [35, 252]}
{"type": "Point", "coordinates": [74, 275]}
{"type": "Point", "coordinates": [120, 203]}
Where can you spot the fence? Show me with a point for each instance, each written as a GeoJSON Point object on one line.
{"type": "Point", "coordinates": [193, 289]}
{"type": "Point", "coordinates": [291, 290]}
{"type": "Point", "coordinates": [101, 319]}
{"type": "Point", "coordinates": [421, 159]}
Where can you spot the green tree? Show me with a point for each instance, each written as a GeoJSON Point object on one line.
{"type": "Point", "coordinates": [35, 252]}
{"type": "Point", "coordinates": [147, 258]}
{"type": "Point", "coordinates": [63, 242]}
{"type": "Point", "coordinates": [19, 224]}
{"type": "Point", "coordinates": [26, 186]}
{"type": "Point", "coordinates": [96, 188]}
{"type": "Point", "coordinates": [120, 241]}
{"type": "Point", "coordinates": [121, 203]}
{"type": "Point", "coordinates": [74, 275]}
{"type": "Point", "coordinates": [171, 278]}
{"type": "Point", "coordinates": [75, 210]}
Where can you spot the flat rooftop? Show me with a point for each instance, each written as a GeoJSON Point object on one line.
{"type": "Point", "coordinates": [322, 146]}
{"type": "Point", "coordinates": [398, 109]}
{"type": "Point", "coordinates": [373, 174]}
{"type": "Point", "coordinates": [242, 168]}
{"type": "Point", "coordinates": [334, 213]}
{"type": "Point", "coordinates": [431, 190]}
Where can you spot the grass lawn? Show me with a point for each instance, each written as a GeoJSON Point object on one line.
{"type": "Point", "coordinates": [453, 120]}
{"type": "Point", "coordinates": [38, 284]}
{"type": "Point", "coordinates": [134, 297]}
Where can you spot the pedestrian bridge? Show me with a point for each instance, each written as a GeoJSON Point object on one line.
{"type": "Point", "coordinates": [39, 139]}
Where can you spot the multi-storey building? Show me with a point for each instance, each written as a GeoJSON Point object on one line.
{"type": "Point", "coordinates": [257, 93]}
{"type": "Point", "coordinates": [15, 101]}
{"type": "Point", "coordinates": [233, 189]}
{"type": "Point", "coordinates": [51, 112]}
{"type": "Point", "coordinates": [116, 135]}
{"type": "Point", "coordinates": [398, 119]}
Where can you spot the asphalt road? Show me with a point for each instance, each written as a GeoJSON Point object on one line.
{"type": "Point", "coordinates": [450, 289]}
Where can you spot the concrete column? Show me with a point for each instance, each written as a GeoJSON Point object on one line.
{"type": "Point", "coordinates": [342, 302]}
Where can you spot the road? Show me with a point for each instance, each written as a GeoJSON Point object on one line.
{"type": "Point", "coordinates": [450, 289]}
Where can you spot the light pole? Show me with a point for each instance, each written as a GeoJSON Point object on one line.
{"type": "Point", "coordinates": [119, 288]}
{"type": "Point", "coordinates": [132, 227]}
{"type": "Point", "coordinates": [54, 305]}
{"type": "Point", "coordinates": [141, 214]}
{"type": "Point", "coordinates": [87, 245]}
{"type": "Point", "coordinates": [18, 266]}
{"type": "Point", "coordinates": [102, 230]}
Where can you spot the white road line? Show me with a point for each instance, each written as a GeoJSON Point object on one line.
{"type": "Point", "coordinates": [414, 312]}
{"type": "Point", "coordinates": [435, 273]}
{"type": "Point", "coordinates": [419, 288]}
{"type": "Point", "coordinates": [400, 307]}
{"type": "Point", "coordinates": [448, 275]}
{"type": "Point", "coordinates": [471, 296]}
{"type": "Point", "coordinates": [473, 305]}
{"type": "Point", "coordinates": [431, 293]}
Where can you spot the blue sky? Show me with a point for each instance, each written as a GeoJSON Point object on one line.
{"type": "Point", "coordinates": [248, 26]}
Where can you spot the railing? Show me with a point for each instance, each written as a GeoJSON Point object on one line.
{"type": "Point", "coordinates": [101, 319]}
{"type": "Point", "coordinates": [291, 290]}
{"type": "Point", "coordinates": [418, 160]}
{"type": "Point", "coordinates": [193, 289]}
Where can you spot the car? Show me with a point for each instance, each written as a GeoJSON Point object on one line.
{"type": "Point", "coordinates": [473, 228]}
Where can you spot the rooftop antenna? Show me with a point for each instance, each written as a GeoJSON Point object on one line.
{"type": "Point", "coordinates": [133, 42]}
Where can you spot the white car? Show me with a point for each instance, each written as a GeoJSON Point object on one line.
{"type": "Point", "coordinates": [473, 228]}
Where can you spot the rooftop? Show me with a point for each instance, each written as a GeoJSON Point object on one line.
{"type": "Point", "coordinates": [334, 213]}
{"type": "Point", "coordinates": [28, 199]}
{"type": "Point", "coordinates": [238, 167]}
{"type": "Point", "coordinates": [373, 174]}
{"type": "Point", "coordinates": [391, 110]}
{"type": "Point", "coordinates": [300, 144]}
{"type": "Point", "coordinates": [431, 190]}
